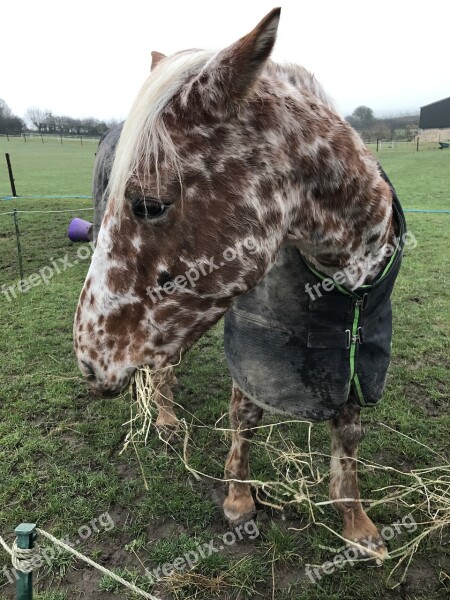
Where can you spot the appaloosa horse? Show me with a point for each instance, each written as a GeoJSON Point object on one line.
{"type": "Point", "coordinates": [227, 164]}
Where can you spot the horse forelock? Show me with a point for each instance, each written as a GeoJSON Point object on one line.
{"type": "Point", "coordinates": [144, 136]}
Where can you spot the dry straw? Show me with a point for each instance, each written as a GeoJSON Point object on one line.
{"type": "Point", "coordinates": [424, 493]}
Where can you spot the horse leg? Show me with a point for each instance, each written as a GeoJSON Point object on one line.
{"type": "Point", "coordinates": [244, 416]}
{"type": "Point", "coordinates": [164, 399]}
{"type": "Point", "coordinates": [346, 433]}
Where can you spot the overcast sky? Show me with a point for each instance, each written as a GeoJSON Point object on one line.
{"type": "Point", "coordinates": [89, 57]}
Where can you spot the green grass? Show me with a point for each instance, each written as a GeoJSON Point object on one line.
{"type": "Point", "coordinates": [48, 168]}
{"type": "Point", "coordinates": [59, 453]}
{"type": "Point", "coordinates": [420, 178]}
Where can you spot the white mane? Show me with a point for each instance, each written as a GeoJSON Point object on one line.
{"type": "Point", "coordinates": [144, 132]}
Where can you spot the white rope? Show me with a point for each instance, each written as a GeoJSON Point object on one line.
{"type": "Point", "coordinates": [5, 545]}
{"type": "Point", "coordinates": [24, 561]}
{"type": "Point", "coordinates": [22, 558]}
{"type": "Point", "coordinates": [45, 212]}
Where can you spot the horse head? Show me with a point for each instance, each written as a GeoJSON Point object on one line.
{"type": "Point", "coordinates": [194, 215]}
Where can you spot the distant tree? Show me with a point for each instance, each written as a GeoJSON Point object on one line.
{"type": "Point", "coordinates": [111, 123]}
{"type": "Point", "coordinates": [9, 123]}
{"type": "Point", "coordinates": [36, 118]}
{"type": "Point", "coordinates": [362, 118]}
{"type": "Point", "coordinates": [5, 111]}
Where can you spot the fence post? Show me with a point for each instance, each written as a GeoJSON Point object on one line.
{"type": "Point", "coordinates": [25, 538]}
{"type": "Point", "coordinates": [378, 141]}
{"type": "Point", "coordinates": [19, 250]}
{"type": "Point", "coordinates": [11, 176]}
{"type": "Point", "coordinates": [417, 148]}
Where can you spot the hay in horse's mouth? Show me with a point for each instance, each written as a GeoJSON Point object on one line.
{"type": "Point", "coordinates": [145, 387]}
{"type": "Point", "coordinates": [142, 389]}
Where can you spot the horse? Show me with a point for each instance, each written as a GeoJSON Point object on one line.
{"type": "Point", "coordinates": [228, 163]}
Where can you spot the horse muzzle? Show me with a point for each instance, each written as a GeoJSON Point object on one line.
{"type": "Point", "coordinates": [105, 384]}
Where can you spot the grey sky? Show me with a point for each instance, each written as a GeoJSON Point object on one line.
{"type": "Point", "coordinates": [90, 57]}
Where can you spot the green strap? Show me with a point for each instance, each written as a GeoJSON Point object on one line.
{"type": "Point", "coordinates": [353, 374]}
{"type": "Point", "coordinates": [353, 343]}
{"type": "Point", "coordinates": [358, 389]}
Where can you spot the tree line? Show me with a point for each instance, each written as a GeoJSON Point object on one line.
{"type": "Point", "coordinates": [46, 122]}
{"type": "Point", "coordinates": [401, 127]}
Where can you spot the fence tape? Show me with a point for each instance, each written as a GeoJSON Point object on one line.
{"type": "Point", "coordinates": [55, 197]}
{"type": "Point", "coordinates": [45, 212]}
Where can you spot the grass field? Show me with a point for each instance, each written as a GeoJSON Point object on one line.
{"type": "Point", "coordinates": [60, 461]}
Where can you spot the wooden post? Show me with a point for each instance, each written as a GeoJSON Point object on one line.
{"type": "Point", "coordinates": [81, 139]}
{"type": "Point", "coordinates": [378, 141]}
{"type": "Point", "coordinates": [11, 176]}
{"type": "Point", "coordinates": [417, 147]}
{"type": "Point", "coordinates": [25, 539]}
{"type": "Point", "coordinates": [19, 249]}
{"type": "Point", "coordinates": [7, 136]}
{"type": "Point", "coordinates": [61, 139]}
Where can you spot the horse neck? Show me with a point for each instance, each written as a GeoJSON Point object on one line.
{"type": "Point", "coordinates": [343, 216]}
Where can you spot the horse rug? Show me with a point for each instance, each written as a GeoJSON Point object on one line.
{"type": "Point", "coordinates": [299, 352]}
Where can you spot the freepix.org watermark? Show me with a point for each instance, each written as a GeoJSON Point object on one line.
{"type": "Point", "coordinates": [200, 269]}
{"type": "Point", "coordinates": [351, 554]}
{"type": "Point", "coordinates": [348, 273]}
{"type": "Point", "coordinates": [189, 559]}
{"type": "Point", "coordinates": [45, 274]}
{"type": "Point", "coordinates": [47, 554]}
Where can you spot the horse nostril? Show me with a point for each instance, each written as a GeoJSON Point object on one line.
{"type": "Point", "coordinates": [90, 371]}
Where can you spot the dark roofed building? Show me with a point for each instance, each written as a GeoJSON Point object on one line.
{"type": "Point", "coordinates": [435, 115]}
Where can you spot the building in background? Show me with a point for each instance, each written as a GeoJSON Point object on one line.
{"type": "Point", "coordinates": [435, 115]}
{"type": "Point", "coordinates": [435, 121]}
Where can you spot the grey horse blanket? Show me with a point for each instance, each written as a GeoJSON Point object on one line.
{"type": "Point", "coordinates": [288, 350]}
{"type": "Point", "coordinates": [297, 350]}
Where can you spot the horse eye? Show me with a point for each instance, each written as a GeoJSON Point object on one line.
{"type": "Point", "coordinates": [149, 208]}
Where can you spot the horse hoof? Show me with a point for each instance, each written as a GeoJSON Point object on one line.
{"type": "Point", "coordinates": [238, 516]}
{"type": "Point", "coordinates": [370, 548]}
{"type": "Point", "coordinates": [240, 522]}
{"type": "Point", "coordinates": [231, 517]}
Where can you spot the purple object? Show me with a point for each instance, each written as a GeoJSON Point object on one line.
{"type": "Point", "coordinates": [79, 230]}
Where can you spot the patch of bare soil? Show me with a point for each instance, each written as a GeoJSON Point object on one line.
{"type": "Point", "coordinates": [432, 407]}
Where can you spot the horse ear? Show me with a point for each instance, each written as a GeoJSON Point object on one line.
{"type": "Point", "coordinates": [156, 58]}
{"type": "Point", "coordinates": [236, 67]}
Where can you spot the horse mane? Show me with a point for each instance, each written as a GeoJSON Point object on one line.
{"type": "Point", "coordinates": [304, 80]}
{"type": "Point", "coordinates": [144, 134]}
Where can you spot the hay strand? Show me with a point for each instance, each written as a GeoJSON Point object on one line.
{"type": "Point", "coordinates": [424, 492]}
